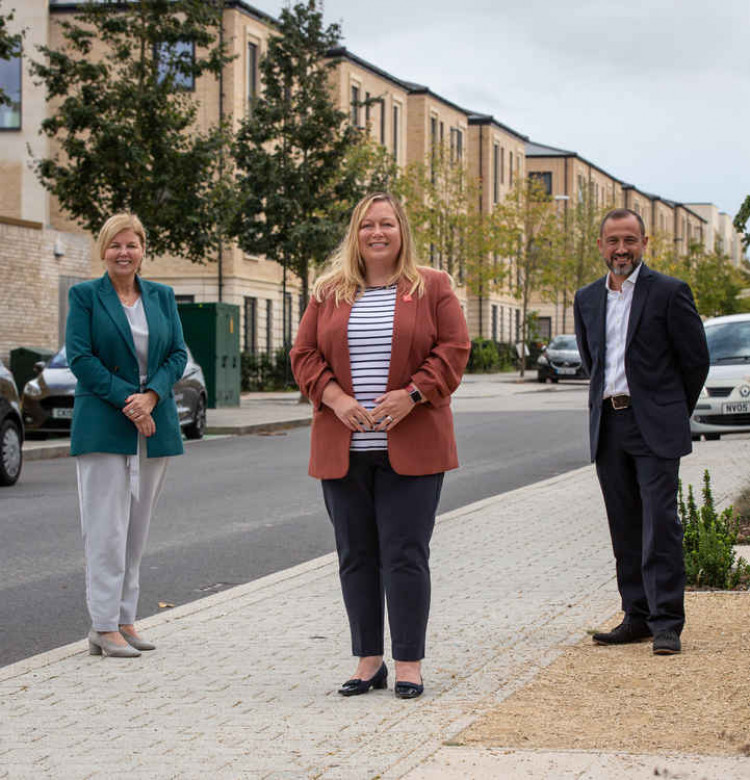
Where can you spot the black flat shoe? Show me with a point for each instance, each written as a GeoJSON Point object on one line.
{"type": "Point", "coordinates": [356, 686]}
{"type": "Point", "coordinates": [408, 690]}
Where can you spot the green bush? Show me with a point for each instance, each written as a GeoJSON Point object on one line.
{"type": "Point", "coordinates": [488, 356]}
{"type": "Point", "coordinates": [263, 372]}
{"type": "Point", "coordinates": [709, 539]}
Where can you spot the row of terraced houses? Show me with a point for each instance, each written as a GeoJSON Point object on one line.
{"type": "Point", "coordinates": [42, 252]}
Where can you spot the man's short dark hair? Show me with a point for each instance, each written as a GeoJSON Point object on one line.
{"type": "Point", "coordinates": [622, 214]}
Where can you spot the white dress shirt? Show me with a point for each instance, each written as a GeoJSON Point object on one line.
{"type": "Point", "coordinates": [619, 303]}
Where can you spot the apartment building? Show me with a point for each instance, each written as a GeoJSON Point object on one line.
{"type": "Point", "coordinates": [44, 252]}
{"type": "Point", "coordinates": [497, 157]}
{"type": "Point", "coordinates": [720, 233]}
{"type": "Point", "coordinates": [39, 261]}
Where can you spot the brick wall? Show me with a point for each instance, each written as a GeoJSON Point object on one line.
{"type": "Point", "coordinates": [32, 280]}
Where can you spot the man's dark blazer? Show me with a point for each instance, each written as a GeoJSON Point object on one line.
{"type": "Point", "coordinates": [666, 358]}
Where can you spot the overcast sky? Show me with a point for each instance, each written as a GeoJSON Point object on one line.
{"type": "Point", "coordinates": [656, 92]}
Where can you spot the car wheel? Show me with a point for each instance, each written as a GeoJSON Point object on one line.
{"type": "Point", "coordinates": [541, 378]}
{"type": "Point", "coordinates": [197, 428]}
{"type": "Point", "coordinates": [712, 436]}
{"type": "Point", "coordinates": [11, 454]}
{"type": "Point", "coordinates": [554, 380]}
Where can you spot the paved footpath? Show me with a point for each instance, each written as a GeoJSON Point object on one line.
{"type": "Point", "coordinates": [243, 683]}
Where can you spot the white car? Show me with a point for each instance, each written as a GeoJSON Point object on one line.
{"type": "Point", "coordinates": [724, 403]}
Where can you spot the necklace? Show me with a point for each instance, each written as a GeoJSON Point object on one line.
{"type": "Point", "coordinates": [129, 299]}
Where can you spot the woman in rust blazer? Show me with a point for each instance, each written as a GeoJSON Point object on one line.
{"type": "Point", "coordinates": [381, 348]}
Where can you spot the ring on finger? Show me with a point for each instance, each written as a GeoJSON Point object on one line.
{"type": "Point", "coordinates": [389, 418]}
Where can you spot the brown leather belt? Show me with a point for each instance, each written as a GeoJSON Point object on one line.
{"type": "Point", "coordinates": [619, 402]}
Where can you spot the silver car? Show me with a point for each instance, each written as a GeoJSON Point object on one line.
{"type": "Point", "coordinates": [724, 403]}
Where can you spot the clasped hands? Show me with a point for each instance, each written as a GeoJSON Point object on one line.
{"type": "Point", "coordinates": [138, 408]}
{"type": "Point", "coordinates": [391, 408]}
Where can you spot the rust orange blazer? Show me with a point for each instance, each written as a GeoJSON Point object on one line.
{"type": "Point", "coordinates": [430, 348]}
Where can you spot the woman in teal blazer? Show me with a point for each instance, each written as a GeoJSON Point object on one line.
{"type": "Point", "coordinates": [125, 346]}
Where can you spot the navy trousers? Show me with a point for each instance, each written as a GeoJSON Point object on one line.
{"type": "Point", "coordinates": [383, 523]}
{"type": "Point", "coordinates": [640, 494]}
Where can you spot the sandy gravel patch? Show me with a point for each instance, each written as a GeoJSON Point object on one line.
{"type": "Point", "coordinates": [625, 698]}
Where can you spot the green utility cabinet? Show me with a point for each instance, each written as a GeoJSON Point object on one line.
{"type": "Point", "coordinates": [212, 331]}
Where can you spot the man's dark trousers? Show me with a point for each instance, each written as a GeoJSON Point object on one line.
{"type": "Point", "coordinates": [640, 494]}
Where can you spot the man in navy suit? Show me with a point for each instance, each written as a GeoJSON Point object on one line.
{"type": "Point", "coordinates": [643, 345]}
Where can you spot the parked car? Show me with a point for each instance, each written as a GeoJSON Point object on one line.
{"type": "Point", "coordinates": [560, 360]}
{"type": "Point", "coordinates": [724, 403]}
{"type": "Point", "coordinates": [11, 429]}
{"type": "Point", "coordinates": [48, 398]}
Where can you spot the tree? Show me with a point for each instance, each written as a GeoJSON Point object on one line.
{"type": "Point", "coordinates": [10, 47]}
{"type": "Point", "coordinates": [450, 231]}
{"type": "Point", "coordinates": [125, 121]}
{"type": "Point", "coordinates": [300, 165]}
{"type": "Point", "coordinates": [526, 229]}
{"type": "Point", "coordinates": [576, 260]}
{"type": "Point", "coordinates": [715, 282]}
{"type": "Point", "coordinates": [740, 222]}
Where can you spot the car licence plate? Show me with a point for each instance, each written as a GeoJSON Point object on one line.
{"type": "Point", "coordinates": [567, 371]}
{"type": "Point", "coordinates": [736, 407]}
{"type": "Point", "coordinates": [62, 414]}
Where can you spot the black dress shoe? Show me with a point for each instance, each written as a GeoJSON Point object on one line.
{"type": "Point", "coordinates": [408, 690]}
{"type": "Point", "coordinates": [624, 634]}
{"type": "Point", "coordinates": [356, 686]}
{"type": "Point", "coordinates": [667, 643]}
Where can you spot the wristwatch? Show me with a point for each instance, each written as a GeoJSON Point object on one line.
{"type": "Point", "coordinates": [414, 393]}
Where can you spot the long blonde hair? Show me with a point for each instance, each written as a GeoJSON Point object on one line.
{"type": "Point", "coordinates": [345, 277]}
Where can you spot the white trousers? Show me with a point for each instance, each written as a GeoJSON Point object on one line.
{"type": "Point", "coordinates": [117, 496]}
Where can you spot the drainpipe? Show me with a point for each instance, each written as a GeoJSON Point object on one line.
{"type": "Point", "coordinates": [220, 254]}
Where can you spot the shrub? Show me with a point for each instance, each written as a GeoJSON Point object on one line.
{"type": "Point", "coordinates": [262, 372]}
{"type": "Point", "coordinates": [488, 356]}
{"type": "Point", "coordinates": [709, 539]}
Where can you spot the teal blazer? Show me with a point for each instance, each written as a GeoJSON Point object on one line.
{"type": "Point", "coordinates": [101, 354]}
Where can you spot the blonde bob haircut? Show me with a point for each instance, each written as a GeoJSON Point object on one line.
{"type": "Point", "coordinates": [346, 274]}
{"type": "Point", "coordinates": [116, 224]}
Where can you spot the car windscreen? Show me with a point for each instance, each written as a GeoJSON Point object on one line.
{"type": "Point", "coordinates": [729, 342]}
{"type": "Point", "coordinates": [564, 342]}
{"type": "Point", "coordinates": [60, 360]}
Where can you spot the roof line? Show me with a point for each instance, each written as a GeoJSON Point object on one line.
{"type": "Point", "coordinates": [488, 119]}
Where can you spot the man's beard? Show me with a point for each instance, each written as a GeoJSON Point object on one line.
{"type": "Point", "coordinates": [625, 271]}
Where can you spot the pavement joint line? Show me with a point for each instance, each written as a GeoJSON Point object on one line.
{"type": "Point", "coordinates": [319, 565]}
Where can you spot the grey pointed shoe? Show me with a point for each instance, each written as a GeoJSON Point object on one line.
{"type": "Point", "coordinates": [137, 642]}
{"type": "Point", "coordinates": [98, 645]}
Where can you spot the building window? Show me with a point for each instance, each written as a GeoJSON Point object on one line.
{"type": "Point", "coordinates": [494, 322]}
{"type": "Point", "coordinates": [269, 326]}
{"type": "Point", "coordinates": [382, 121]}
{"type": "Point", "coordinates": [251, 325]}
{"type": "Point", "coordinates": [395, 131]}
{"type": "Point", "coordinates": [544, 178]}
{"type": "Point", "coordinates": [502, 323]}
{"type": "Point", "coordinates": [457, 145]}
{"type": "Point", "coordinates": [495, 173]}
{"type": "Point", "coordinates": [510, 168]}
{"type": "Point", "coordinates": [367, 109]}
{"type": "Point", "coordinates": [544, 328]}
{"type": "Point", "coordinates": [300, 306]}
{"type": "Point", "coordinates": [10, 82]}
{"type": "Point", "coordinates": [175, 60]}
{"type": "Point", "coordinates": [355, 106]}
{"type": "Point", "coordinates": [287, 319]}
{"type": "Point", "coordinates": [252, 76]}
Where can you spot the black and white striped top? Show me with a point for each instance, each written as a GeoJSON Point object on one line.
{"type": "Point", "coordinates": [370, 335]}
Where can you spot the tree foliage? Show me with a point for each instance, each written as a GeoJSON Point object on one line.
{"type": "Point", "coordinates": [527, 230]}
{"type": "Point", "coordinates": [10, 47]}
{"type": "Point", "coordinates": [124, 119]}
{"type": "Point", "coordinates": [300, 164]}
{"type": "Point", "coordinates": [741, 220]}
{"type": "Point", "coordinates": [450, 231]}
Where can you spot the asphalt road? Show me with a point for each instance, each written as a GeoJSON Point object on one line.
{"type": "Point", "coordinates": [234, 509]}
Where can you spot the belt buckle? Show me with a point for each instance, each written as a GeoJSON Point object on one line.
{"type": "Point", "coordinates": [620, 402]}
